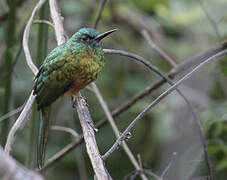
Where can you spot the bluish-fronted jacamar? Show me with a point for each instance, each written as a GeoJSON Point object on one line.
{"type": "Point", "coordinates": [65, 71]}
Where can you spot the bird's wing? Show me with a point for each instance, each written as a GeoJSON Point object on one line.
{"type": "Point", "coordinates": [55, 77]}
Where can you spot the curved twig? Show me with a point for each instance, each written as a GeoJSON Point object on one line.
{"type": "Point", "coordinates": [43, 22]}
{"type": "Point", "coordinates": [66, 129]}
{"type": "Point", "coordinates": [26, 37]}
{"type": "Point", "coordinates": [156, 101]}
{"type": "Point", "coordinates": [20, 120]}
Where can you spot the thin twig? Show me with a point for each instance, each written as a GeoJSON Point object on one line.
{"type": "Point", "coordinates": [115, 129]}
{"type": "Point", "coordinates": [20, 120]}
{"type": "Point", "coordinates": [101, 6]}
{"type": "Point", "coordinates": [57, 21]}
{"type": "Point", "coordinates": [191, 108]}
{"type": "Point", "coordinates": [66, 129]}
{"type": "Point", "coordinates": [164, 173]}
{"type": "Point", "coordinates": [156, 101]}
{"type": "Point", "coordinates": [212, 22]}
{"type": "Point", "coordinates": [26, 37]}
{"type": "Point", "coordinates": [11, 113]}
{"type": "Point", "coordinates": [43, 22]}
{"type": "Point", "coordinates": [158, 49]}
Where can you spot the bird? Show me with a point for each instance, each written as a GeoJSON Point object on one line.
{"type": "Point", "coordinates": [66, 70]}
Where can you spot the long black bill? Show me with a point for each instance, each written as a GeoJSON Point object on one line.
{"type": "Point", "coordinates": [101, 36]}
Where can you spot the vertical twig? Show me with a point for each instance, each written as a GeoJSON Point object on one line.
{"type": "Point", "coordinates": [34, 69]}
{"type": "Point", "coordinates": [40, 56]}
{"type": "Point", "coordinates": [82, 110]}
{"type": "Point", "coordinates": [212, 22]}
{"type": "Point", "coordinates": [101, 6]}
{"type": "Point", "coordinates": [8, 56]}
{"type": "Point", "coordinates": [158, 49]}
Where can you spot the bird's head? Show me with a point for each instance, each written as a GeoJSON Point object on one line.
{"type": "Point", "coordinates": [90, 37]}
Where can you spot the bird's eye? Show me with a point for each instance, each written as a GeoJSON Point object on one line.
{"type": "Point", "coordinates": [84, 38]}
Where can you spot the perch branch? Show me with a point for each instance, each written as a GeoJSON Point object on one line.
{"type": "Point", "coordinates": [82, 110]}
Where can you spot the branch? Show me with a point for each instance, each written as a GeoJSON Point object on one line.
{"type": "Point", "coordinates": [115, 129]}
{"type": "Point", "coordinates": [21, 119]}
{"type": "Point", "coordinates": [82, 110]}
{"type": "Point", "coordinates": [10, 169]}
{"type": "Point", "coordinates": [66, 129]}
{"type": "Point", "coordinates": [26, 38]}
{"type": "Point", "coordinates": [212, 22]}
{"type": "Point", "coordinates": [89, 137]}
{"type": "Point", "coordinates": [191, 108]}
{"type": "Point", "coordinates": [101, 6]}
{"type": "Point", "coordinates": [11, 113]}
{"type": "Point", "coordinates": [43, 22]}
{"type": "Point", "coordinates": [158, 49]}
{"type": "Point", "coordinates": [156, 101]}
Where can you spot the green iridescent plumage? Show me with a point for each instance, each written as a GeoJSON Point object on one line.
{"type": "Point", "coordinates": [73, 60]}
{"type": "Point", "coordinates": [65, 71]}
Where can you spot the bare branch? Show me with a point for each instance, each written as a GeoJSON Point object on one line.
{"type": "Point", "coordinates": [115, 129]}
{"type": "Point", "coordinates": [89, 137]}
{"type": "Point", "coordinates": [157, 100]}
{"type": "Point", "coordinates": [57, 21]}
{"type": "Point", "coordinates": [20, 120]}
{"type": "Point", "coordinates": [43, 22]}
{"type": "Point", "coordinates": [158, 49]}
{"type": "Point", "coordinates": [11, 113]}
{"type": "Point", "coordinates": [66, 129]}
{"type": "Point", "coordinates": [164, 173]}
{"type": "Point", "coordinates": [212, 22]}
{"type": "Point", "coordinates": [26, 37]}
{"type": "Point", "coordinates": [10, 169]}
{"type": "Point", "coordinates": [101, 6]}
{"type": "Point", "coordinates": [191, 108]}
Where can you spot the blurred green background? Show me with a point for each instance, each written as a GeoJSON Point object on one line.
{"type": "Point", "coordinates": [181, 28]}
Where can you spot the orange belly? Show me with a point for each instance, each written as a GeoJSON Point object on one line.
{"type": "Point", "coordinates": [77, 86]}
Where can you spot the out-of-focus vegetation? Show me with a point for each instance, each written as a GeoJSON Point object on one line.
{"type": "Point", "coordinates": [182, 29]}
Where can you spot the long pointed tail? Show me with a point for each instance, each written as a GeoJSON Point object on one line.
{"type": "Point", "coordinates": [42, 136]}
